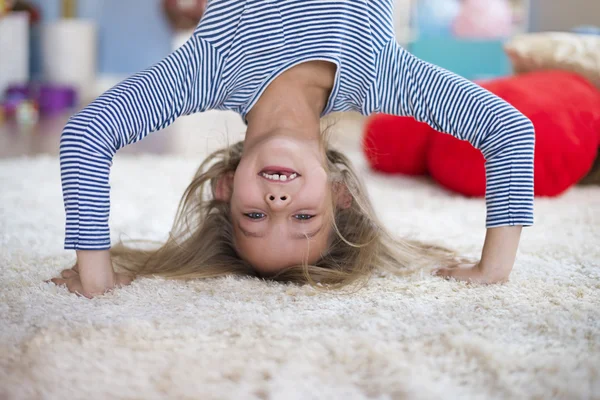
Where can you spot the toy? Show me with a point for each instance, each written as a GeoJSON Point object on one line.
{"type": "Point", "coordinates": [14, 96]}
{"type": "Point", "coordinates": [27, 114]}
{"type": "Point", "coordinates": [184, 14]}
{"type": "Point", "coordinates": [18, 91]}
{"type": "Point", "coordinates": [492, 19]}
{"type": "Point", "coordinates": [48, 99]}
{"type": "Point", "coordinates": [69, 9]}
{"type": "Point", "coordinates": [5, 6]}
{"type": "Point", "coordinates": [26, 6]}
{"type": "Point", "coordinates": [55, 99]}
{"type": "Point", "coordinates": [19, 103]}
{"type": "Point", "coordinates": [564, 108]}
{"type": "Point", "coordinates": [434, 18]}
{"type": "Point", "coordinates": [469, 19]}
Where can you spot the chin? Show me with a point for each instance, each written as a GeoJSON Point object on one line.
{"type": "Point", "coordinates": [282, 143]}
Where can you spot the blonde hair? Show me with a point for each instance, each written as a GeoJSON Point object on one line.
{"type": "Point", "coordinates": [201, 244]}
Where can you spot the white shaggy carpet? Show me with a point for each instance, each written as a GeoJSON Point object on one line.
{"type": "Point", "coordinates": [417, 337]}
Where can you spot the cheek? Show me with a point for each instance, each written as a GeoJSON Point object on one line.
{"type": "Point", "coordinates": [245, 191]}
{"type": "Point", "coordinates": [242, 178]}
{"type": "Point", "coordinates": [317, 187]}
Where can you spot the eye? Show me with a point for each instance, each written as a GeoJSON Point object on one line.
{"type": "Point", "coordinates": [303, 217]}
{"type": "Point", "coordinates": [255, 215]}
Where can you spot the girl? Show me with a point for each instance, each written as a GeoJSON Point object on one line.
{"type": "Point", "coordinates": [282, 204]}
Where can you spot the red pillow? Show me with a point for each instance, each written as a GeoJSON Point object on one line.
{"type": "Point", "coordinates": [565, 111]}
{"type": "Point", "coordinates": [564, 108]}
{"type": "Point", "coordinates": [397, 144]}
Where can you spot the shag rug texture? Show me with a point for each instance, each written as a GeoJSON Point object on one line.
{"type": "Point", "coordinates": [411, 337]}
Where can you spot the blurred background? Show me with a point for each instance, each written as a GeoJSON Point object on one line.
{"type": "Point", "coordinates": [57, 55]}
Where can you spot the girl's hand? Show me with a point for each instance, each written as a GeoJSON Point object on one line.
{"type": "Point", "coordinates": [72, 280]}
{"type": "Point", "coordinates": [473, 273]}
{"type": "Point", "coordinates": [497, 258]}
{"type": "Point", "coordinates": [92, 275]}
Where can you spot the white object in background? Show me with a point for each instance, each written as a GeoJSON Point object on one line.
{"type": "Point", "coordinates": [402, 20]}
{"type": "Point", "coordinates": [180, 38]}
{"type": "Point", "coordinates": [490, 20]}
{"type": "Point", "coordinates": [202, 133]}
{"type": "Point", "coordinates": [69, 54]}
{"type": "Point", "coordinates": [14, 50]}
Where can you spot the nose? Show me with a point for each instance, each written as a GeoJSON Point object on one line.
{"type": "Point", "coordinates": [278, 201]}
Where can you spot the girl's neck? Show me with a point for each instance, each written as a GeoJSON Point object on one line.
{"type": "Point", "coordinates": [292, 104]}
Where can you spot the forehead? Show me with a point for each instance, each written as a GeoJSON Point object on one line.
{"type": "Point", "coordinates": [274, 251]}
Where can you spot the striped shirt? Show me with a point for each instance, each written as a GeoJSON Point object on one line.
{"type": "Point", "coordinates": [240, 47]}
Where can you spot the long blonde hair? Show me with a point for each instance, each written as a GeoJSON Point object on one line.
{"type": "Point", "coordinates": [201, 245]}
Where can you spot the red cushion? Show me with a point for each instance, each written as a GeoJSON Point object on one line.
{"type": "Point", "coordinates": [457, 165]}
{"type": "Point", "coordinates": [565, 111]}
{"type": "Point", "coordinates": [564, 108]}
{"type": "Point", "coordinates": [396, 144]}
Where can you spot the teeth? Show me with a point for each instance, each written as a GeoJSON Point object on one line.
{"type": "Point", "coordinates": [277, 177]}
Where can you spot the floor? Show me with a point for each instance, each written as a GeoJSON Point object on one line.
{"type": "Point", "coordinates": [401, 337]}
{"type": "Point", "coordinates": [190, 135]}
{"type": "Point", "coordinates": [44, 137]}
{"type": "Point", "coordinates": [415, 336]}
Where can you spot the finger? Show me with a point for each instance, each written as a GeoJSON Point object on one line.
{"type": "Point", "coordinates": [68, 273]}
{"type": "Point", "coordinates": [76, 267]}
{"type": "Point", "coordinates": [58, 281]}
{"type": "Point", "coordinates": [460, 274]}
{"type": "Point", "coordinates": [74, 285]}
{"type": "Point", "coordinates": [443, 272]}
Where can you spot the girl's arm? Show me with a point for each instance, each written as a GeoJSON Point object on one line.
{"type": "Point", "coordinates": [408, 86]}
{"type": "Point", "coordinates": [181, 84]}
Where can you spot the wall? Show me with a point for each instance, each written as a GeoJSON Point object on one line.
{"type": "Point", "coordinates": [133, 34]}
{"type": "Point", "coordinates": [563, 15]}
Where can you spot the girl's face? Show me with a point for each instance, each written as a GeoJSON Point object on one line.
{"type": "Point", "coordinates": [280, 204]}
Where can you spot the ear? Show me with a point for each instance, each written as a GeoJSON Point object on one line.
{"type": "Point", "coordinates": [224, 187]}
{"type": "Point", "coordinates": [343, 197]}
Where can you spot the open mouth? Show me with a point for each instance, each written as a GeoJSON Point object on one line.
{"type": "Point", "coordinates": [277, 174]}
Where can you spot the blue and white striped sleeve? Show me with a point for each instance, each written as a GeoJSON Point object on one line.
{"type": "Point", "coordinates": [409, 86]}
{"type": "Point", "coordinates": [181, 84]}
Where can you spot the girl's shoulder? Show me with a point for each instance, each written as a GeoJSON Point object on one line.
{"type": "Point", "coordinates": [220, 22]}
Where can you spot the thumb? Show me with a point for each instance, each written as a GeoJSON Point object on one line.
{"type": "Point", "coordinates": [469, 273]}
{"type": "Point", "coordinates": [74, 285]}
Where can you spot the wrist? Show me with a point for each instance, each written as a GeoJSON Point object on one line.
{"type": "Point", "coordinates": [494, 273]}
{"type": "Point", "coordinates": [89, 258]}
{"type": "Point", "coordinates": [499, 252]}
{"type": "Point", "coordinates": [96, 270]}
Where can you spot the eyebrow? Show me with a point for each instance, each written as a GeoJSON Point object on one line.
{"type": "Point", "coordinates": [308, 235]}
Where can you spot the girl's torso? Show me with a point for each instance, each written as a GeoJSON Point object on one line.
{"type": "Point", "coordinates": [257, 40]}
